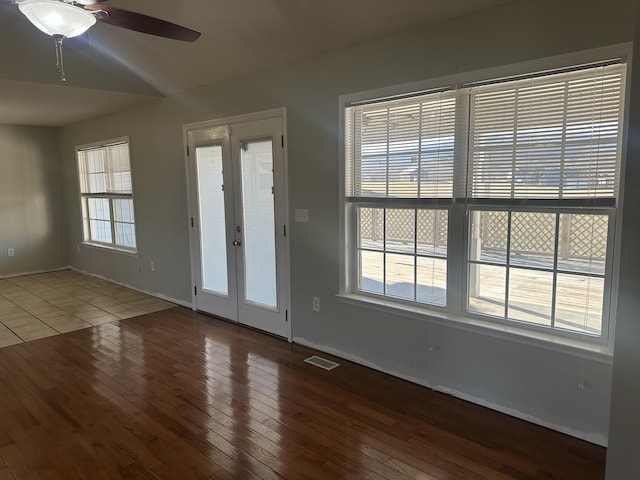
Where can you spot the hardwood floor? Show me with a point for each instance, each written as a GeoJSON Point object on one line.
{"type": "Point", "coordinates": [179, 395]}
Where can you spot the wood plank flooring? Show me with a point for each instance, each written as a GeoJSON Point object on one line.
{"type": "Point", "coordinates": [179, 395]}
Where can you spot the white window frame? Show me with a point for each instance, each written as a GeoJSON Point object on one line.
{"type": "Point", "coordinates": [455, 313]}
{"type": "Point", "coordinates": [110, 196]}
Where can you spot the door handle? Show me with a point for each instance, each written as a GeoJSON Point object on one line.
{"type": "Point", "coordinates": [237, 243]}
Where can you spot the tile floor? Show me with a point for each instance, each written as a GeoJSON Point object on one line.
{"type": "Point", "coordinates": [46, 304]}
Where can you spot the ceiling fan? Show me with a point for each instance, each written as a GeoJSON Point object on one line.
{"type": "Point", "coordinates": [69, 18]}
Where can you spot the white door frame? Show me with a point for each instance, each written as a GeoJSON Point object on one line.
{"type": "Point", "coordinates": [264, 115]}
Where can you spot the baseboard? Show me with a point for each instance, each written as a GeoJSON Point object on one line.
{"type": "Point", "coordinates": [595, 438]}
{"type": "Point", "coordinates": [131, 287]}
{"type": "Point", "coordinates": [35, 272]}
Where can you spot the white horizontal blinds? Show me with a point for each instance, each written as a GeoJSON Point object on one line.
{"type": "Point", "coordinates": [401, 148]}
{"type": "Point", "coordinates": [105, 169]}
{"type": "Point", "coordinates": [548, 137]}
{"type": "Point", "coordinates": [93, 170]}
{"type": "Point", "coordinates": [119, 168]}
{"type": "Point", "coordinates": [82, 170]}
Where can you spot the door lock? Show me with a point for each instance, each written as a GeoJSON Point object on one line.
{"type": "Point", "coordinates": [237, 243]}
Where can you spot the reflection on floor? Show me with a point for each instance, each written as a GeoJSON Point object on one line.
{"type": "Point", "coordinates": [46, 304]}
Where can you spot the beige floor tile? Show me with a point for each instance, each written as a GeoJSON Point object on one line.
{"type": "Point", "coordinates": [52, 322]}
{"type": "Point", "coordinates": [98, 312]}
{"type": "Point", "coordinates": [45, 317]}
{"type": "Point", "coordinates": [41, 305]}
{"type": "Point", "coordinates": [115, 309]}
{"type": "Point", "coordinates": [151, 305]}
{"type": "Point", "coordinates": [106, 318]}
{"type": "Point", "coordinates": [17, 313]}
{"type": "Point", "coordinates": [19, 321]}
{"type": "Point", "coordinates": [77, 308]}
{"type": "Point", "coordinates": [71, 326]}
{"type": "Point", "coordinates": [36, 334]}
{"type": "Point", "coordinates": [5, 331]}
{"type": "Point", "coordinates": [49, 296]}
{"type": "Point", "coordinates": [24, 299]}
{"type": "Point", "coordinates": [84, 293]}
{"type": "Point", "coordinates": [131, 312]}
{"type": "Point", "coordinates": [106, 302]}
{"type": "Point", "coordinates": [29, 327]}
{"type": "Point", "coordinates": [9, 340]}
{"type": "Point", "coordinates": [44, 309]}
{"type": "Point", "coordinates": [62, 299]}
{"type": "Point", "coordinates": [12, 312]}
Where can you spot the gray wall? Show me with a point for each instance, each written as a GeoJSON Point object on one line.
{"type": "Point", "coordinates": [529, 381]}
{"type": "Point", "coordinates": [623, 456]}
{"type": "Point", "coordinates": [32, 201]}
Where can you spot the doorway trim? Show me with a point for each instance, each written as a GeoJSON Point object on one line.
{"type": "Point", "coordinates": [227, 121]}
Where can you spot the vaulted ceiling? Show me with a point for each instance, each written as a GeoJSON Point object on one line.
{"type": "Point", "coordinates": [114, 68]}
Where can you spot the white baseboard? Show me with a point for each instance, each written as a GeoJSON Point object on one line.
{"type": "Point", "coordinates": [35, 272]}
{"type": "Point", "coordinates": [126, 285]}
{"type": "Point", "coordinates": [595, 438]}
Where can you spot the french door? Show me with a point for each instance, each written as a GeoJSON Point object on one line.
{"type": "Point", "coordinates": [238, 205]}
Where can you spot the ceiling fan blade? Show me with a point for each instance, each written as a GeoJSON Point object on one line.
{"type": "Point", "coordinates": [143, 23]}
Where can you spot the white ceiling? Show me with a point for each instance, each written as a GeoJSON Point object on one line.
{"type": "Point", "coordinates": [119, 68]}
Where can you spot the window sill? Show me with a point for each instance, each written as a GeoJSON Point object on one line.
{"type": "Point", "coordinates": [100, 246]}
{"type": "Point", "coordinates": [598, 352]}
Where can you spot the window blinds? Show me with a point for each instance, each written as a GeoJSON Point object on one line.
{"type": "Point", "coordinates": [548, 137]}
{"type": "Point", "coordinates": [105, 169]}
{"type": "Point", "coordinates": [401, 148]}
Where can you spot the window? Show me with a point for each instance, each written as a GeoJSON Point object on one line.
{"type": "Point", "coordinates": [495, 200]}
{"type": "Point", "coordinates": [107, 195]}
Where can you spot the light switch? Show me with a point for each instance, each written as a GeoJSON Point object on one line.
{"type": "Point", "coordinates": [302, 215]}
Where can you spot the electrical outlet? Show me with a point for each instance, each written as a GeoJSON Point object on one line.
{"type": "Point", "coordinates": [316, 304]}
{"type": "Point", "coordinates": [10, 252]}
{"type": "Point", "coordinates": [153, 265]}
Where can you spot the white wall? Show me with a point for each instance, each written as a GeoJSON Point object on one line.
{"type": "Point", "coordinates": [32, 201]}
{"type": "Point", "coordinates": [529, 381]}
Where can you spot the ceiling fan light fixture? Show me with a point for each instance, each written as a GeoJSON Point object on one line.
{"type": "Point", "coordinates": [56, 17]}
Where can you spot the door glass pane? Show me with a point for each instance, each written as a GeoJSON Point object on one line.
{"type": "Point", "coordinates": [256, 161]}
{"type": "Point", "coordinates": [213, 245]}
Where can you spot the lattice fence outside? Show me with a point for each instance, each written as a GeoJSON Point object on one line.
{"type": "Point", "coordinates": [533, 232]}
{"type": "Point", "coordinates": [431, 227]}
{"type": "Point", "coordinates": [587, 235]}
{"type": "Point", "coordinates": [493, 231]}
{"type": "Point", "coordinates": [580, 236]}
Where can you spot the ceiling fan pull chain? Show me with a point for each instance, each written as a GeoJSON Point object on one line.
{"type": "Point", "coordinates": [59, 61]}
